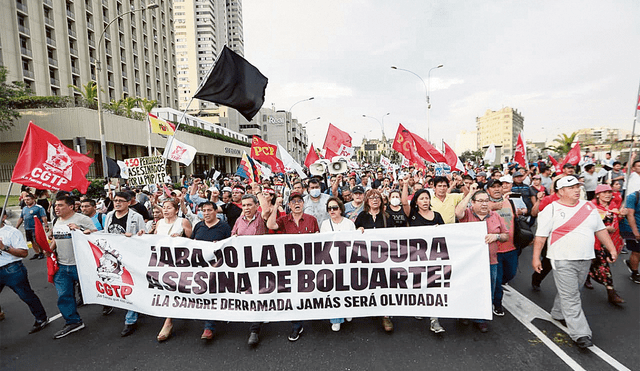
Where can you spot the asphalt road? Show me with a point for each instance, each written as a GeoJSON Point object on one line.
{"type": "Point", "coordinates": [360, 345]}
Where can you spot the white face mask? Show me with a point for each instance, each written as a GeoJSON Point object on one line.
{"type": "Point", "coordinates": [394, 201]}
{"type": "Point", "coordinates": [314, 192]}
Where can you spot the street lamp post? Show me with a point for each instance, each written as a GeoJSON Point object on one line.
{"type": "Point", "coordinates": [381, 122]}
{"type": "Point", "coordinates": [426, 88]}
{"type": "Point", "coordinates": [428, 101]}
{"type": "Point", "coordinates": [300, 101]}
{"type": "Point", "coordinates": [103, 143]}
{"type": "Point", "coordinates": [305, 124]}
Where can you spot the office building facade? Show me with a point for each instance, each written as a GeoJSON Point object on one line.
{"type": "Point", "coordinates": [500, 128]}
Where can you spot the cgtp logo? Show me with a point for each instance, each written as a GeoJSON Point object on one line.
{"type": "Point", "coordinates": [111, 271]}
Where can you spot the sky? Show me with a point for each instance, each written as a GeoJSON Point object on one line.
{"type": "Point", "coordinates": [564, 65]}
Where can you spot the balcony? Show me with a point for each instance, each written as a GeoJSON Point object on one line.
{"type": "Point", "coordinates": [89, 8]}
{"type": "Point", "coordinates": [24, 30]}
{"type": "Point", "coordinates": [51, 42]}
{"type": "Point", "coordinates": [22, 7]}
{"type": "Point", "coordinates": [105, 3]}
{"type": "Point", "coordinates": [48, 21]}
{"type": "Point", "coordinates": [75, 70]}
{"type": "Point", "coordinates": [121, 28]}
{"type": "Point", "coordinates": [107, 36]}
{"type": "Point", "coordinates": [70, 14]}
{"type": "Point", "coordinates": [28, 74]}
{"type": "Point", "coordinates": [72, 33]}
{"type": "Point", "coordinates": [54, 82]}
{"type": "Point", "coordinates": [125, 88]}
{"type": "Point", "coordinates": [135, 51]}
{"type": "Point", "coordinates": [123, 59]}
{"type": "Point", "coordinates": [124, 73]}
{"type": "Point", "coordinates": [26, 52]}
{"type": "Point", "coordinates": [122, 44]}
{"type": "Point", "coordinates": [73, 51]}
{"type": "Point", "coordinates": [48, 3]}
{"type": "Point", "coordinates": [91, 43]}
{"type": "Point", "coordinates": [111, 85]}
{"type": "Point", "coordinates": [108, 50]}
{"type": "Point", "coordinates": [109, 67]}
{"type": "Point", "coordinates": [90, 25]}
{"type": "Point", "coordinates": [53, 62]}
{"type": "Point", "coordinates": [137, 80]}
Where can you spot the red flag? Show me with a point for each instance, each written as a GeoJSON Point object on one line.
{"type": "Point", "coordinates": [520, 154]}
{"type": "Point", "coordinates": [573, 157]}
{"type": "Point", "coordinates": [265, 152]}
{"type": "Point", "coordinates": [405, 144]}
{"type": "Point", "coordinates": [427, 151]}
{"type": "Point", "coordinates": [43, 242]}
{"type": "Point", "coordinates": [638, 108]}
{"type": "Point", "coordinates": [329, 154]}
{"type": "Point", "coordinates": [45, 163]}
{"type": "Point", "coordinates": [452, 159]}
{"type": "Point", "coordinates": [553, 162]}
{"type": "Point", "coordinates": [336, 137]}
{"type": "Point", "coordinates": [312, 156]}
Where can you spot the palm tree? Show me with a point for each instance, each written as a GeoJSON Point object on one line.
{"type": "Point", "coordinates": [148, 104]}
{"type": "Point", "coordinates": [129, 103]}
{"type": "Point", "coordinates": [115, 106]}
{"type": "Point", "coordinates": [564, 143]}
{"type": "Point", "coordinates": [89, 93]}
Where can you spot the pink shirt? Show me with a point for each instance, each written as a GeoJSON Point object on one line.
{"type": "Point", "coordinates": [245, 227]}
{"type": "Point", "coordinates": [495, 225]}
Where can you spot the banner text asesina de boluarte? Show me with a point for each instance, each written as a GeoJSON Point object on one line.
{"type": "Point", "coordinates": [221, 280]}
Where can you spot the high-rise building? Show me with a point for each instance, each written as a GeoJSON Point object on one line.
{"type": "Point", "coordinates": [202, 29]}
{"type": "Point", "coordinates": [51, 44]}
{"type": "Point", "coordinates": [500, 128]}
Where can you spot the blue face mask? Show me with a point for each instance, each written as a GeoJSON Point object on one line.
{"type": "Point", "coordinates": [314, 192]}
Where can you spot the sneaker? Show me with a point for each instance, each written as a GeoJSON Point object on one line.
{"type": "Point", "coordinates": [254, 339]}
{"type": "Point", "coordinates": [498, 312]}
{"type": "Point", "coordinates": [349, 319]}
{"type": "Point", "coordinates": [387, 324]}
{"type": "Point", "coordinates": [535, 287]}
{"type": "Point", "coordinates": [635, 277]}
{"type": "Point", "coordinates": [584, 342]}
{"type": "Point", "coordinates": [335, 327]}
{"type": "Point", "coordinates": [435, 326]}
{"type": "Point", "coordinates": [483, 327]}
{"type": "Point", "coordinates": [624, 250]}
{"type": "Point", "coordinates": [34, 257]}
{"type": "Point", "coordinates": [588, 284]}
{"type": "Point", "coordinates": [67, 329]}
{"type": "Point", "coordinates": [295, 334]}
{"type": "Point", "coordinates": [41, 256]}
{"type": "Point", "coordinates": [39, 325]}
{"type": "Point", "coordinates": [128, 330]}
{"type": "Point", "coordinates": [107, 310]}
{"type": "Point", "coordinates": [418, 318]}
{"type": "Point", "coordinates": [207, 334]}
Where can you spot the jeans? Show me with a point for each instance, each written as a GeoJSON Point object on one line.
{"type": "Point", "coordinates": [569, 276]}
{"type": "Point", "coordinates": [64, 280]}
{"type": "Point", "coordinates": [15, 276]}
{"type": "Point", "coordinates": [255, 327]}
{"type": "Point", "coordinates": [506, 270]}
{"type": "Point", "coordinates": [336, 320]}
{"type": "Point", "coordinates": [210, 325]}
{"type": "Point", "coordinates": [131, 317]}
{"type": "Point", "coordinates": [493, 271]}
{"type": "Point", "coordinates": [296, 325]}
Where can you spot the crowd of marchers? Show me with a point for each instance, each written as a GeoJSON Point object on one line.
{"type": "Point", "coordinates": [581, 219]}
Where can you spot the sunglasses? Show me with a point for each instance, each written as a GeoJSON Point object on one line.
{"type": "Point", "coordinates": [333, 208]}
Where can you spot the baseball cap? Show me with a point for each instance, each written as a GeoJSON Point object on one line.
{"type": "Point", "coordinates": [294, 195]}
{"type": "Point", "coordinates": [482, 173]}
{"type": "Point", "coordinates": [603, 188]}
{"type": "Point", "coordinates": [506, 179]}
{"type": "Point", "coordinates": [537, 176]}
{"type": "Point", "coordinates": [518, 173]}
{"type": "Point", "coordinates": [568, 165]}
{"type": "Point", "coordinates": [492, 182]}
{"type": "Point", "coordinates": [357, 189]}
{"type": "Point", "coordinates": [568, 181]}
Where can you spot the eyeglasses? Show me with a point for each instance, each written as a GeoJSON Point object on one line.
{"type": "Point", "coordinates": [297, 201]}
{"type": "Point", "coordinates": [119, 200]}
{"type": "Point", "coordinates": [375, 198]}
{"type": "Point", "coordinates": [333, 208]}
{"type": "Point", "coordinates": [485, 201]}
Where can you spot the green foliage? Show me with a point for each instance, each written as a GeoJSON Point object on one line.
{"type": "Point", "coordinates": [564, 143]}
{"type": "Point", "coordinates": [36, 102]}
{"type": "Point", "coordinates": [9, 92]}
{"type": "Point", "coordinates": [471, 155]}
{"type": "Point", "coordinates": [115, 106]}
{"type": "Point", "coordinates": [211, 134]}
{"type": "Point", "coordinates": [89, 93]}
{"type": "Point", "coordinates": [148, 104]}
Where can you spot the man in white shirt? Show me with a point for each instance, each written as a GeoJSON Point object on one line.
{"type": "Point", "coordinates": [571, 226]}
{"type": "Point", "coordinates": [13, 273]}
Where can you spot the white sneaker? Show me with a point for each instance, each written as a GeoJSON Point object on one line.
{"type": "Point", "coordinates": [335, 327]}
{"type": "Point", "coordinates": [349, 319]}
{"type": "Point", "coordinates": [435, 326]}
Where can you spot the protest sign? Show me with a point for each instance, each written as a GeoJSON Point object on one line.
{"type": "Point", "coordinates": [145, 170]}
{"type": "Point", "coordinates": [438, 271]}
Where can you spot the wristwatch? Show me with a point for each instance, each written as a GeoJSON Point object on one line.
{"type": "Point", "coordinates": [6, 248]}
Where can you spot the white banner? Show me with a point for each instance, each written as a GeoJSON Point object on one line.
{"type": "Point", "coordinates": [179, 152]}
{"type": "Point", "coordinates": [440, 271]}
{"type": "Point", "coordinates": [145, 170]}
{"type": "Point", "coordinates": [345, 151]}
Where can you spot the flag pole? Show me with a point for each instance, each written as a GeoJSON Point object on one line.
{"type": "Point", "coordinates": [6, 200]}
{"type": "Point", "coordinates": [633, 131]}
{"type": "Point", "coordinates": [149, 134]}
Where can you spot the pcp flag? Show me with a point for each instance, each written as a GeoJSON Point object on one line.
{"type": "Point", "coordinates": [179, 152]}
{"type": "Point", "coordinates": [265, 152]}
{"type": "Point", "coordinates": [289, 163]}
{"type": "Point", "coordinates": [160, 126]}
{"type": "Point", "coordinates": [520, 154]}
{"type": "Point", "coordinates": [405, 144]}
{"type": "Point", "coordinates": [336, 137]}
{"type": "Point", "coordinates": [490, 155]}
{"type": "Point", "coordinates": [452, 159]}
{"type": "Point", "coordinates": [312, 156]}
{"type": "Point", "coordinates": [45, 163]}
{"type": "Point", "coordinates": [235, 83]}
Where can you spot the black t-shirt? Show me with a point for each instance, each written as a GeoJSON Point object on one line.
{"type": "Point", "coordinates": [417, 220]}
{"type": "Point", "coordinates": [397, 218]}
{"type": "Point", "coordinates": [232, 211]}
{"type": "Point", "coordinates": [142, 211]}
{"type": "Point", "coordinates": [365, 220]}
{"type": "Point", "coordinates": [219, 231]}
{"type": "Point", "coordinates": [118, 225]}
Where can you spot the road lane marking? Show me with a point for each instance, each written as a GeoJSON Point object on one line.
{"type": "Point", "coordinates": [526, 311]}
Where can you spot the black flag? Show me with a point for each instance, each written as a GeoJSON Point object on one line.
{"type": "Point", "coordinates": [113, 169]}
{"type": "Point", "coordinates": [235, 83]}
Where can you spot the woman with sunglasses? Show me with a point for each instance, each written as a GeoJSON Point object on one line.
{"type": "Point", "coordinates": [420, 214]}
{"type": "Point", "coordinates": [174, 226]}
{"type": "Point", "coordinates": [336, 222]}
{"type": "Point", "coordinates": [373, 216]}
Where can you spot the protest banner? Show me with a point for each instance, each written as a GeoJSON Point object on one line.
{"type": "Point", "coordinates": [437, 271]}
{"type": "Point", "coordinates": [145, 170]}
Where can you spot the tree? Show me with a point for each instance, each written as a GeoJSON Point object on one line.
{"type": "Point", "coordinates": [148, 104]}
{"type": "Point", "coordinates": [564, 144]}
{"type": "Point", "coordinates": [129, 103]}
{"type": "Point", "coordinates": [471, 156]}
{"type": "Point", "coordinates": [9, 92]}
{"type": "Point", "coordinates": [115, 106]}
{"type": "Point", "coordinates": [89, 92]}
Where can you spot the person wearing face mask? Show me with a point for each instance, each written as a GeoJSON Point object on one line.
{"type": "Point", "coordinates": [315, 203]}
{"type": "Point", "coordinates": [395, 210]}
